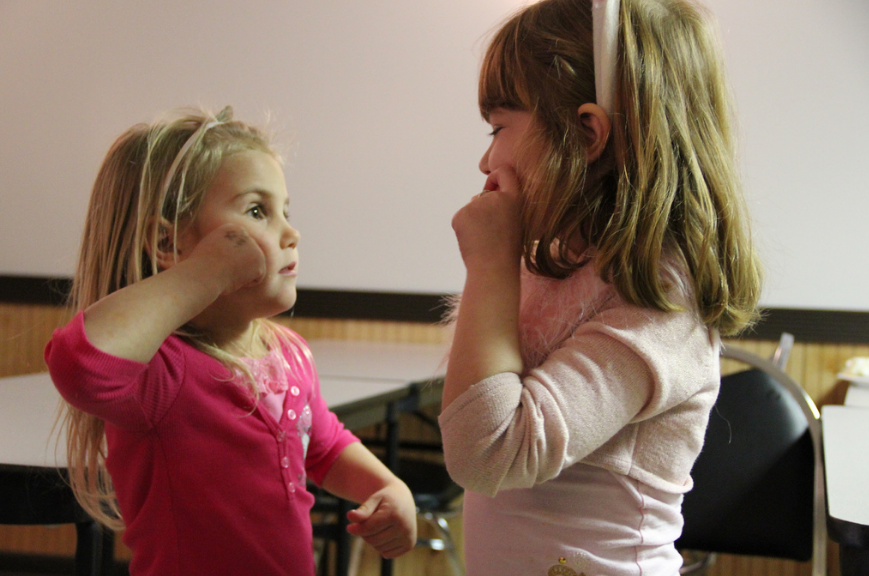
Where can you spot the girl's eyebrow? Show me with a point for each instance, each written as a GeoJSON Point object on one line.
{"type": "Point", "coordinates": [261, 194]}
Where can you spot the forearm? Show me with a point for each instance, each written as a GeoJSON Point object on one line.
{"type": "Point", "coordinates": [386, 517]}
{"type": "Point", "coordinates": [133, 322]}
{"type": "Point", "coordinates": [357, 474]}
{"type": "Point", "coordinates": [486, 340]}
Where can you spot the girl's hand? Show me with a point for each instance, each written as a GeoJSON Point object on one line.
{"type": "Point", "coordinates": [386, 521]}
{"type": "Point", "coordinates": [486, 337]}
{"type": "Point", "coordinates": [233, 255]}
{"type": "Point", "coordinates": [489, 227]}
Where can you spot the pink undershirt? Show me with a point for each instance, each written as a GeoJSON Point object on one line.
{"type": "Point", "coordinates": [271, 375]}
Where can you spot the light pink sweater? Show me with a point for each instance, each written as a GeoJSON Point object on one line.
{"type": "Point", "coordinates": [606, 383]}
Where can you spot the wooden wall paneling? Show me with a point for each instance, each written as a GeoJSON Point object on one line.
{"type": "Point", "coordinates": [367, 330]}
{"type": "Point", "coordinates": [24, 331]}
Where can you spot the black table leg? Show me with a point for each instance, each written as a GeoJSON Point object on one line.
{"type": "Point", "coordinates": [342, 543]}
{"type": "Point", "coordinates": [391, 461]}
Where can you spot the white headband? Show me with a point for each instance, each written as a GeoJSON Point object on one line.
{"type": "Point", "coordinates": [605, 25]}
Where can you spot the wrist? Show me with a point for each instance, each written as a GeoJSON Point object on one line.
{"type": "Point", "coordinates": [498, 264]}
{"type": "Point", "coordinates": [205, 277]}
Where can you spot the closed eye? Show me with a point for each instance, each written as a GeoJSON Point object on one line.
{"type": "Point", "coordinates": [495, 130]}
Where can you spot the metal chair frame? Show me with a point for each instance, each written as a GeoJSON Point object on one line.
{"type": "Point", "coordinates": [775, 369]}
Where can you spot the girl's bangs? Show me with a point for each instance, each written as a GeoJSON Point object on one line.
{"type": "Point", "coordinates": [502, 81]}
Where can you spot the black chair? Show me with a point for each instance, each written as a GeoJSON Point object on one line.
{"type": "Point", "coordinates": [758, 482]}
{"type": "Point", "coordinates": [42, 497]}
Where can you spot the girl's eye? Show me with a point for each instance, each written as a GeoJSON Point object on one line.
{"type": "Point", "coordinates": [257, 212]}
{"type": "Point", "coordinates": [495, 130]}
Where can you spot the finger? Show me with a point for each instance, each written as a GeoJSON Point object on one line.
{"type": "Point", "coordinates": [376, 539]}
{"type": "Point", "coordinates": [368, 529]}
{"type": "Point", "coordinates": [395, 552]}
{"type": "Point", "coordinates": [394, 544]}
{"type": "Point", "coordinates": [503, 178]}
{"type": "Point", "coordinates": [491, 181]}
{"type": "Point", "coordinates": [364, 511]}
{"type": "Point", "coordinates": [359, 515]}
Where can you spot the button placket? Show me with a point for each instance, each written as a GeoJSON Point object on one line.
{"type": "Point", "coordinates": [286, 446]}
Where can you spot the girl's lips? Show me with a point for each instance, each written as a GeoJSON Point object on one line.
{"type": "Point", "coordinates": [289, 270]}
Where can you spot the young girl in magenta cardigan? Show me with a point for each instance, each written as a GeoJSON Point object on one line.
{"type": "Point", "coordinates": [192, 420]}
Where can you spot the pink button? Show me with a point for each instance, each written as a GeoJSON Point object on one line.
{"type": "Point", "coordinates": [281, 436]}
{"type": "Point", "coordinates": [294, 390]}
{"type": "Point", "coordinates": [291, 486]}
{"type": "Point", "coordinates": [291, 414]}
{"type": "Point", "coordinates": [285, 462]}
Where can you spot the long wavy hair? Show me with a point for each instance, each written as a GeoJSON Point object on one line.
{"type": "Point", "coordinates": [666, 190]}
{"type": "Point", "coordinates": [153, 177]}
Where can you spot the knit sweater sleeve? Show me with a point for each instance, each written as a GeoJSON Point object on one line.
{"type": "Point", "coordinates": [621, 366]}
{"type": "Point", "coordinates": [130, 395]}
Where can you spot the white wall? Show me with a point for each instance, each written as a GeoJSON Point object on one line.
{"type": "Point", "coordinates": [379, 97]}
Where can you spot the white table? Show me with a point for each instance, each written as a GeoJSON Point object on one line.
{"type": "Point", "coordinates": [369, 382]}
{"type": "Point", "coordinates": [857, 396]}
{"type": "Point", "coordinates": [29, 406]}
{"type": "Point", "coordinates": [846, 468]}
{"type": "Point", "coordinates": [383, 361]}
{"type": "Point", "coordinates": [358, 380]}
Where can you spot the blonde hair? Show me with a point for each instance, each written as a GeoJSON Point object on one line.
{"type": "Point", "coordinates": [666, 188]}
{"type": "Point", "coordinates": [154, 177]}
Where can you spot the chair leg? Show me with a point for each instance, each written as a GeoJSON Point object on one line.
{"type": "Point", "coordinates": [88, 549]}
{"type": "Point", "coordinates": [357, 547]}
{"type": "Point", "coordinates": [446, 543]}
{"type": "Point", "coordinates": [107, 566]}
{"type": "Point", "coordinates": [701, 562]}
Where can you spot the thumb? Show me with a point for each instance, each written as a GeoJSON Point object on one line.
{"type": "Point", "coordinates": [365, 510]}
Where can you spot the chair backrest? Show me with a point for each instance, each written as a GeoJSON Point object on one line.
{"type": "Point", "coordinates": [758, 482]}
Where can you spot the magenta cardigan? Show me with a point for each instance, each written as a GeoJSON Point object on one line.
{"type": "Point", "coordinates": [206, 482]}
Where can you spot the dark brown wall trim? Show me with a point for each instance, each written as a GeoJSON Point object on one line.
{"type": "Point", "coordinates": [311, 303]}
{"type": "Point", "coordinates": [806, 325]}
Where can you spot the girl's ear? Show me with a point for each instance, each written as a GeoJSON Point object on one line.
{"type": "Point", "coordinates": [165, 249]}
{"type": "Point", "coordinates": [596, 125]}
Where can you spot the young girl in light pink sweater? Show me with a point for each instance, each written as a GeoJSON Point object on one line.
{"type": "Point", "coordinates": [605, 256]}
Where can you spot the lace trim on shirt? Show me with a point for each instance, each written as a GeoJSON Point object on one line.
{"type": "Point", "coordinates": [271, 372]}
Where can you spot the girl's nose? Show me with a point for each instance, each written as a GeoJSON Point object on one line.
{"type": "Point", "coordinates": [290, 237]}
{"type": "Point", "coordinates": [484, 162]}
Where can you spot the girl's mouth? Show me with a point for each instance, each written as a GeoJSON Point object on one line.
{"type": "Point", "coordinates": [288, 270]}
